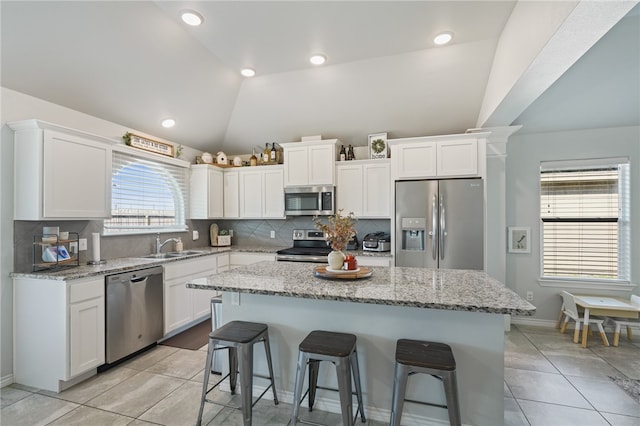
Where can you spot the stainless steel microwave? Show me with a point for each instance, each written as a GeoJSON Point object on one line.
{"type": "Point", "coordinates": [309, 200]}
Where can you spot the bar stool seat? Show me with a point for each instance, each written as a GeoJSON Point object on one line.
{"type": "Point", "coordinates": [340, 349]}
{"type": "Point", "coordinates": [436, 359]}
{"type": "Point", "coordinates": [238, 337]}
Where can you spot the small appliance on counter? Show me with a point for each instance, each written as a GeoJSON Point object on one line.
{"type": "Point", "coordinates": [377, 241]}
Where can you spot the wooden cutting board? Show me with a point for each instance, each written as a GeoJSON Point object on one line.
{"type": "Point", "coordinates": [363, 272]}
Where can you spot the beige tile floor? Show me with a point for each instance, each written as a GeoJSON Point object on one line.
{"type": "Point", "coordinates": [548, 381]}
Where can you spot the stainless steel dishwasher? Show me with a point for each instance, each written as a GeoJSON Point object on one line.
{"type": "Point", "coordinates": [134, 311]}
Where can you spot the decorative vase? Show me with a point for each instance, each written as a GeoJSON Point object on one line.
{"type": "Point", "coordinates": [336, 259]}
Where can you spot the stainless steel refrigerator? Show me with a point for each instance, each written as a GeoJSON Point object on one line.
{"type": "Point", "coordinates": [440, 223]}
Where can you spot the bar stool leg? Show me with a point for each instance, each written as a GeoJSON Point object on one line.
{"type": "Point", "coordinates": [343, 370]}
{"type": "Point", "coordinates": [233, 369]}
{"type": "Point", "coordinates": [297, 390]}
{"type": "Point", "coordinates": [267, 349]}
{"type": "Point", "coordinates": [246, 379]}
{"type": "Point", "coordinates": [356, 378]}
{"type": "Point", "coordinates": [314, 367]}
{"type": "Point", "coordinates": [205, 382]}
{"type": "Point", "coordinates": [399, 389]}
{"type": "Point", "coordinates": [451, 393]}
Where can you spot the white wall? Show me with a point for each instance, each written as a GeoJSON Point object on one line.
{"type": "Point", "coordinates": [524, 154]}
{"type": "Point", "coordinates": [17, 106]}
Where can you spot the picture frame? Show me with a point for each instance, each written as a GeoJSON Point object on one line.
{"type": "Point", "coordinates": [378, 147]}
{"type": "Point", "coordinates": [147, 144]}
{"type": "Point", "coordinates": [519, 239]}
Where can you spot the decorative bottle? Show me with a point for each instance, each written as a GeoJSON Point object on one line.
{"type": "Point", "coordinates": [350, 154]}
{"type": "Point", "coordinates": [266, 154]}
{"type": "Point", "coordinates": [343, 154]}
{"type": "Point", "coordinates": [273, 153]}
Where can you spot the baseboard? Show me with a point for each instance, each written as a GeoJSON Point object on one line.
{"type": "Point", "coordinates": [532, 321]}
{"type": "Point", "coordinates": [6, 380]}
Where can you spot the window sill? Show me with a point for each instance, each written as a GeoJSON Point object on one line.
{"type": "Point", "coordinates": [586, 284]}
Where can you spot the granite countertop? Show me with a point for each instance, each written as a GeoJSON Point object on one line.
{"type": "Point", "coordinates": [124, 264]}
{"type": "Point", "coordinates": [448, 289]}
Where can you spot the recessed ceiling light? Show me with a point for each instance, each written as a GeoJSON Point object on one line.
{"type": "Point", "coordinates": [318, 59]}
{"type": "Point", "coordinates": [443, 38]}
{"type": "Point", "coordinates": [248, 72]}
{"type": "Point", "coordinates": [168, 122]}
{"type": "Point", "coordinates": [191, 17]}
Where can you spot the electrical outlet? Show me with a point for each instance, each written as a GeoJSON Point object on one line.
{"type": "Point", "coordinates": [273, 234]}
{"type": "Point", "coordinates": [529, 296]}
{"type": "Point", "coordinates": [73, 248]}
{"type": "Point", "coordinates": [235, 298]}
{"type": "Point", "coordinates": [82, 244]}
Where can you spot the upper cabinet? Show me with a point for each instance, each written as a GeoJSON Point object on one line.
{"type": "Point", "coordinates": [436, 156]}
{"type": "Point", "coordinates": [206, 192]}
{"type": "Point", "coordinates": [364, 188]}
{"type": "Point", "coordinates": [261, 192]}
{"type": "Point", "coordinates": [60, 173]}
{"type": "Point", "coordinates": [309, 162]}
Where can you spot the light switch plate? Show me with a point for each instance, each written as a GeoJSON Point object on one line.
{"type": "Point", "coordinates": [196, 235]}
{"type": "Point", "coordinates": [82, 244]}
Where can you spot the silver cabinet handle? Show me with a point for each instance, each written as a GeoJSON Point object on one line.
{"type": "Point", "coordinates": [139, 280]}
{"type": "Point", "coordinates": [442, 227]}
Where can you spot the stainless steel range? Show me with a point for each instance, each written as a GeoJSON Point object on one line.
{"type": "Point", "coordinates": [310, 245]}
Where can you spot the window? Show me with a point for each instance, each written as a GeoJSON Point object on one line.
{"type": "Point", "coordinates": [146, 196]}
{"type": "Point", "coordinates": [584, 208]}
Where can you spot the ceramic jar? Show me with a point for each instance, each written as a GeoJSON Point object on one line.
{"type": "Point", "coordinates": [336, 259]}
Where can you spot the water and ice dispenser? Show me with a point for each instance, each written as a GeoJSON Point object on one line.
{"type": "Point", "coordinates": [414, 231]}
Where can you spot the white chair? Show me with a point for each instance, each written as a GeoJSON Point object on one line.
{"type": "Point", "coordinates": [628, 322]}
{"type": "Point", "coordinates": [570, 311]}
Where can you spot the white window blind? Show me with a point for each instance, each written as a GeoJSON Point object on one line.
{"type": "Point", "coordinates": [584, 208]}
{"type": "Point", "coordinates": [146, 196]}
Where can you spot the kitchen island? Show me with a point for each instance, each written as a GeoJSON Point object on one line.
{"type": "Point", "coordinates": [458, 307]}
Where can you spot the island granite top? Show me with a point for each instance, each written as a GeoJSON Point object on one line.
{"type": "Point", "coordinates": [448, 289]}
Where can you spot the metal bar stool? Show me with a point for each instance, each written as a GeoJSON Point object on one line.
{"type": "Point", "coordinates": [216, 303]}
{"type": "Point", "coordinates": [239, 337]}
{"type": "Point", "coordinates": [340, 349]}
{"type": "Point", "coordinates": [436, 359]}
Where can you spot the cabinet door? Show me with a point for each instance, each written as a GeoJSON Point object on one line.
{"type": "Point", "coordinates": [215, 194]}
{"type": "Point", "coordinates": [415, 160]}
{"type": "Point", "coordinates": [86, 325]}
{"type": "Point", "coordinates": [178, 309]}
{"type": "Point", "coordinates": [273, 190]}
{"type": "Point", "coordinates": [349, 188]}
{"type": "Point", "coordinates": [321, 164]}
{"type": "Point", "coordinates": [377, 190]}
{"type": "Point", "coordinates": [201, 299]}
{"type": "Point", "coordinates": [251, 194]}
{"type": "Point", "coordinates": [296, 166]}
{"type": "Point", "coordinates": [77, 177]}
{"type": "Point", "coordinates": [458, 158]}
{"type": "Point", "coordinates": [231, 195]}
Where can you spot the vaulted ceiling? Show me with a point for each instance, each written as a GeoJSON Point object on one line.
{"type": "Point", "coordinates": [136, 63]}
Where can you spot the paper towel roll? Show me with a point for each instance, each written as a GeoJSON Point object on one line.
{"type": "Point", "coordinates": [96, 246]}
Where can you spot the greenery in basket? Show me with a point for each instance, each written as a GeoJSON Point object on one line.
{"type": "Point", "coordinates": [223, 232]}
{"type": "Point", "coordinates": [339, 230]}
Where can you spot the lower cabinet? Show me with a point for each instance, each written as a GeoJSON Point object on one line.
{"type": "Point", "coordinates": [374, 261]}
{"type": "Point", "coordinates": [59, 331]}
{"type": "Point", "coordinates": [238, 259]}
{"type": "Point", "coordinates": [182, 305]}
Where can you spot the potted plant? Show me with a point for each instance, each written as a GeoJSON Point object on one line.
{"type": "Point", "coordinates": [338, 233]}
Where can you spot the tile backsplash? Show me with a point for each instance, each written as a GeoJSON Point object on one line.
{"type": "Point", "coordinates": [245, 232]}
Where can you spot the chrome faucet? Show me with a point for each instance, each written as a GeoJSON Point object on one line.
{"type": "Point", "coordinates": [159, 245]}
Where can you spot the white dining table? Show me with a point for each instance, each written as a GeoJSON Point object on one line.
{"type": "Point", "coordinates": [604, 306]}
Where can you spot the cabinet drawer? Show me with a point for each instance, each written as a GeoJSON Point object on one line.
{"type": "Point", "coordinates": [202, 265]}
{"type": "Point", "coordinates": [86, 290]}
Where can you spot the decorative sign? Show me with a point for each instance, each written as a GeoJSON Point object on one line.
{"type": "Point", "coordinates": [148, 144]}
{"type": "Point", "coordinates": [378, 145]}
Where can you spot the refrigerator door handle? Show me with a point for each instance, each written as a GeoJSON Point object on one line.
{"type": "Point", "coordinates": [442, 228]}
{"type": "Point", "coordinates": [434, 226]}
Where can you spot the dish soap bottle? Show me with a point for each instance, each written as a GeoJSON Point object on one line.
{"type": "Point", "coordinates": [179, 245]}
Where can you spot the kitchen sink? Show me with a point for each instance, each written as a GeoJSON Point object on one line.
{"type": "Point", "coordinates": [172, 254]}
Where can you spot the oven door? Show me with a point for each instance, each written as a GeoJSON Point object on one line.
{"type": "Point", "coordinates": [309, 201]}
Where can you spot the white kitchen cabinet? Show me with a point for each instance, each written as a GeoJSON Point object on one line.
{"type": "Point", "coordinates": [434, 156]}
{"type": "Point", "coordinates": [60, 173]}
{"type": "Point", "coordinates": [309, 163]}
{"type": "Point", "coordinates": [261, 192]}
{"type": "Point", "coordinates": [364, 188]}
{"type": "Point", "coordinates": [231, 194]}
{"type": "Point", "coordinates": [59, 331]}
{"type": "Point", "coordinates": [374, 261]}
{"type": "Point", "coordinates": [183, 306]}
{"type": "Point", "coordinates": [206, 186]}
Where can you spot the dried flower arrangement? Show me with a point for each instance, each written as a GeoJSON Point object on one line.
{"type": "Point", "coordinates": [339, 230]}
